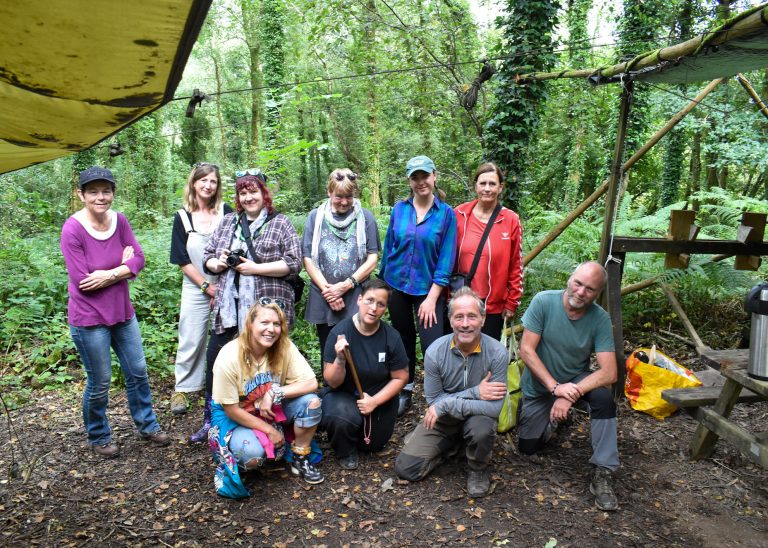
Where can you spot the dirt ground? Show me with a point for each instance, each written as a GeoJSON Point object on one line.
{"type": "Point", "coordinates": [64, 495]}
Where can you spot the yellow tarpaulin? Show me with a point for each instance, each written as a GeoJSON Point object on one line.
{"type": "Point", "coordinates": [73, 72]}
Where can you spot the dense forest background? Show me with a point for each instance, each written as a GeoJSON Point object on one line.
{"type": "Point", "coordinates": [300, 87]}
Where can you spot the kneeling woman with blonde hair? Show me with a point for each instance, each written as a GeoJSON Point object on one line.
{"type": "Point", "coordinates": [261, 382]}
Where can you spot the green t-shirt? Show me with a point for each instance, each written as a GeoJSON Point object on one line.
{"type": "Point", "coordinates": [566, 345]}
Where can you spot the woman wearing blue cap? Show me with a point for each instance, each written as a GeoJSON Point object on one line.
{"type": "Point", "coordinates": [418, 256]}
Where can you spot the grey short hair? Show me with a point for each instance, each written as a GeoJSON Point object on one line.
{"type": "Point", "coordinates": [466, 292]}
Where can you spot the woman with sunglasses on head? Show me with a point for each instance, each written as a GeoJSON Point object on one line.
{"type": "Point", "coordinates": [192, 228]}
{"type": "Point", "coordinates": [256, 253]}
{"type": "Point", "coordinates": [417, 261]}
{"type": "Point", "coordinates": [498, 277]}
{"type": "Point", "coordinates": [262, 384]}
{"type": "Point", "coordinates": [340, 246]}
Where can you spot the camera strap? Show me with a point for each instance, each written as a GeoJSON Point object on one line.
{"type": "Point", "coordinates": [247, 231]}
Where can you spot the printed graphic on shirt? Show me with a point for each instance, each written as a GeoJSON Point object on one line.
{"type": "Point", "coordinates": [254, 390]}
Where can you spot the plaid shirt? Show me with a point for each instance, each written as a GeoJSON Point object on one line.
{"type": "Point", "coordinates": [277, 240]}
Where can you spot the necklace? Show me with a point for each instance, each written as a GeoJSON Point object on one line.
{"type": "Point", "coordinates": [359, 326]}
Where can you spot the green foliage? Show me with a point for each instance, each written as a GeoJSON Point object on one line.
{"type": "Point", "coordinates": [527, 43]}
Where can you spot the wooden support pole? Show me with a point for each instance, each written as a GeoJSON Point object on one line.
{"type": "Point", "coordinates": [752, 93]}
{"type": "Point", "coordinates": [592, 198]}
{"type": "Point", "coordinates": [617, 168]}
{"type": "Point", "coordinates": [615, 271]}
{"type": "Point", "coordinates": [677, 307]}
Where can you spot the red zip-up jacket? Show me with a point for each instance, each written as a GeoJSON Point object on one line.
{"type": "Point", "coordinates": [499, 275]}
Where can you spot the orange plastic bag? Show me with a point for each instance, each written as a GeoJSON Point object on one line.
{"type": "Point", "coordinates": [646, 381]}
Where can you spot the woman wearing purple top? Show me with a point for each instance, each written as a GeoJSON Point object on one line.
{"type": "Point", "coordinates": [102, 254]}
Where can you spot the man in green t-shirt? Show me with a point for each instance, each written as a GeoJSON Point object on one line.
{"type": "Point", "coordinates": [563, 328]}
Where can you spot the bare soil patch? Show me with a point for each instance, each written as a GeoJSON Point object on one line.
{"type": "Point", "coordinates": [150, 496]}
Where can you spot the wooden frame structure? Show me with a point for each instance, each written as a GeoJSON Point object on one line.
{"type": "Point", "coordinates": [750, 25]}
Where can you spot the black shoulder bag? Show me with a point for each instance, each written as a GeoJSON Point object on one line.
{"type": "Point", "coordinates": [459, 280]}
{"type": "Point", "coordinates": [296, 281]}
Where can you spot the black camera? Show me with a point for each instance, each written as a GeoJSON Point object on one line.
{"type": "Point", "coordinates": [233, 259]}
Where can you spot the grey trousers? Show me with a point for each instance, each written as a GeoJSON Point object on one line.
{"type": "Point", "coordinates": [194, 316]}
{"type": "Point", "coordinates": [426, 449]}
{"type": "Point", "coordinates": [534, 419]}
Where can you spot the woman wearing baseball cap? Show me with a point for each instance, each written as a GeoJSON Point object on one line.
{"type": "Point", "coordinates": [102, 255]}
{"type": "Point", "coordinates": [417, 261]}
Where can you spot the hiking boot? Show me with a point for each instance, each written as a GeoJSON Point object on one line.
{"type": "Point", "coordinates": [404, 402]}
{"type": "Point", "coordinates": [158, 439]}
{"type": "Point", "coordinates": [179, 403]}
{"type": "Point", "coordinates": [478, 482]}
{"type": "Point", "coordinates": [302, 467]}
{"type": "Point", "coordinates": [602, 487]}
{"type": "Point", "coordinates": [533, 458]}
{"type": "Point", "coordinates": [201, 435]}
{"type": "Point", "coordinates": [107, 450]}
{"type": "Point", "coordinates": [350, 462]}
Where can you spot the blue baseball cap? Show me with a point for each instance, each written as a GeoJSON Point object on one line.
{"type": "Point", "coordinates": [419, 163]}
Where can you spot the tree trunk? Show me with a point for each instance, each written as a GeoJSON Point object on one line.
{"type": "Point", "coordinates": [250, 13]}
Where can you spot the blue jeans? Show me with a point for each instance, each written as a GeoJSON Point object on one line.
{"type": "Point", "coordinates": [247, 448]}
{"type": "Point", "coordinates": [93, 344]}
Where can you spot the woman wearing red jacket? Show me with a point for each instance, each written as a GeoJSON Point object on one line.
{"type": "Point", "coordinates": [499, 275]}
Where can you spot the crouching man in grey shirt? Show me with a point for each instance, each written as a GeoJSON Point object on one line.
{"type": "Point", "coordinates": [465, 381]}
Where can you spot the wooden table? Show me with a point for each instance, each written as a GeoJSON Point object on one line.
{"type": "Point", "coordinates": [714, 421]}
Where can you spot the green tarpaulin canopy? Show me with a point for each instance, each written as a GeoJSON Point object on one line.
{"type": "Point", "coordinates": [738, 45]}
{"type": "Point", "coordinates": [74, 72]}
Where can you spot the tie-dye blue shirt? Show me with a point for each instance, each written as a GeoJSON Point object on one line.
{"type": "Point", "coordinates": [417, 255]}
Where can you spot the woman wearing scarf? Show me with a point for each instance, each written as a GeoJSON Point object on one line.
{"type": "Point", "coordinates": [256, 253]}
{"type": "Point", "coordinates": [340, 245]}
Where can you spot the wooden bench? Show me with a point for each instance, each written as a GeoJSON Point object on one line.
{"type": "Point", "coordinates": [702, 396]}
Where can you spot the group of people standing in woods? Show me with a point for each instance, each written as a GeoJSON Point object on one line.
{"type": "Point", "coordinates": [262, 399]}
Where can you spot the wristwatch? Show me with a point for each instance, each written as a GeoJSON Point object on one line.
{"type": "Point", "coordinates": [113, 275]}
{"type": "Point", "coordinates": [204, 286]}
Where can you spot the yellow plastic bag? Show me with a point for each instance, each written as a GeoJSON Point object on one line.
{"type": "Point", "coordinates": [646, 381]}
{"type": "Point", "coordinates": [508, 415]}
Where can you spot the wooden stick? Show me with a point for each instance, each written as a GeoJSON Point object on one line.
{"type": "Point", "coordinates": [352, 368]}
{"type": "Point", "coordinates": [677, 307]}
{"type": "Point", "coordinates": [752, 93]}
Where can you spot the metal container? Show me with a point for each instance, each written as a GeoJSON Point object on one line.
{"type": "Point", "coordinates": [757, 304]}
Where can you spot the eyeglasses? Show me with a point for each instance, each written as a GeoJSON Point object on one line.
{"type": "Point", "coordinates": [351, 176]}
{"type": "Point", "coordinates": [256, 172]}
{"type": "Point", "coordinates": [264, 301]}
{"type": "Point", "coordinates": [205, 164]}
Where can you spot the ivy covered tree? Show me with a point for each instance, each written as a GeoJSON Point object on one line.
{"type": "Point", "coordinates": [527, 45]}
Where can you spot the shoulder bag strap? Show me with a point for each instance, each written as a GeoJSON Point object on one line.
{"type": "Point", "coordinates": [186, 220]}
{"type": "Point", "coordinates": [476, 261]}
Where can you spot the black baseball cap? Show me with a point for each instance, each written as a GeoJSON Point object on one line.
{"type": "Point", "coordinates": [96, 173]}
